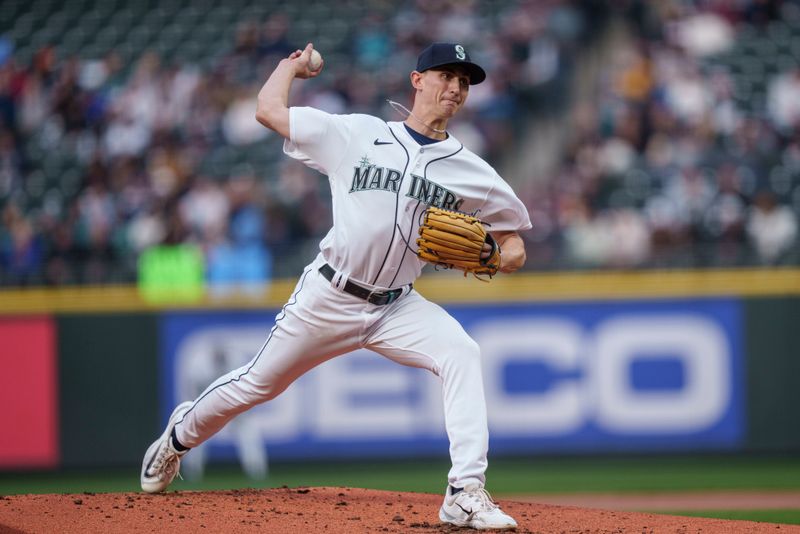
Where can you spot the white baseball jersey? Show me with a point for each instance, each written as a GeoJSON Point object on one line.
{"type": "Point", "coordinates": [382, 180]}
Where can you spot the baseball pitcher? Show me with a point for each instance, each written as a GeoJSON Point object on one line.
{"type": "Point", "coordinates": [404, 194]}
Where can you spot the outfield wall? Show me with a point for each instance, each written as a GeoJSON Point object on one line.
{"type": "Point", "coordinates": [595, 363]}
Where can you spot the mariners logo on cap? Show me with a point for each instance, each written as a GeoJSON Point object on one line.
{"type": "Point", "coordinates": [460, 52]}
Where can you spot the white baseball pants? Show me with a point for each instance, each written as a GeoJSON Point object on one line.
{"type": "Point", "coordinates": [320, 322]}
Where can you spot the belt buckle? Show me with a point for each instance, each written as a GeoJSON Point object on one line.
{"type": "Point", "coordinates": [373, 297]}
{"type": "Point", "coordinates": [376, 297]}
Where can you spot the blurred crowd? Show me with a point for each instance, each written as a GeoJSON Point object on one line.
{"type": "Point", "coordinates": [688, 153]}
{"type": "Point", "coordinates": [102, 158]}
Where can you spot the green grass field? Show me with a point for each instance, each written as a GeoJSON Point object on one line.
{"type": "Point", "coordinates": [791, 517]}
{"type": "Point", "coordinates": [505, 477]}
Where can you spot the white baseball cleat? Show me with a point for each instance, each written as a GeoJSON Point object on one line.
{"type": "Point", "coordinates": [473, 507]}
{"type": "Point", "coordinates": [161, 461]}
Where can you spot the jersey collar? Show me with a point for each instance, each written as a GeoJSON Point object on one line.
{"type": "Point", "coordinates": [447, 145]}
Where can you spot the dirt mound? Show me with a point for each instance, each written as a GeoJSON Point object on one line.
{"type": "Point", "coordinates": [329, 510]}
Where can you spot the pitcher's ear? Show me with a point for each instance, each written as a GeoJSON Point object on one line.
{"type": "Point", "coordinates": [416, 79]}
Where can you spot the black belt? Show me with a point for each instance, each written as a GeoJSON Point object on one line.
{"type": "Point", "coordinates": [378, 298]}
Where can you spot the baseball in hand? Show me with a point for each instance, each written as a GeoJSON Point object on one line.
{"type": "Point", "coordinates": [315, 61]}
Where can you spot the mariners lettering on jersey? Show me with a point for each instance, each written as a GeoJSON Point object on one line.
{"type": "Point", "coordinates": [433, 194]}
{"type": "Point", "coordinates": [368, 176]}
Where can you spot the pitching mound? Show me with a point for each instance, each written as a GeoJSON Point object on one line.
{"type": "Point", "coordinates": [330, 510]}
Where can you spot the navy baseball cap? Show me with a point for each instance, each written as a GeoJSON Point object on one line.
{"type": "Point", "coordinates": [441, 54]}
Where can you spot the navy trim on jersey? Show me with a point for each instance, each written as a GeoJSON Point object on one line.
{"type": "Point", "coordinates": [425, 171]}
{"type": "Point", "coordinates": [260, 351]}
{"type": "Point", "coordinates": [423, 139]}
{"type": "Point", "coordinates": [396, 208]}
{"type": "Point", "coordinates": [411, 227]}
{"type": "Point", "coordinates": [407, 240]}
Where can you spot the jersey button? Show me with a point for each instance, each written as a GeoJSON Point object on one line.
{"type": "Point", "coordinates": [421, 150]}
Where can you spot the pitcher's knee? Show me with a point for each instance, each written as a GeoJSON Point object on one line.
{"type": "Point", "coordinates": [257, 390]}
{"type": "Point", "coordinates": [267, 392]}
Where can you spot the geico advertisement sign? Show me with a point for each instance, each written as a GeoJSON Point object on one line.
{"type": "Point", "coordinates": [553, 377]}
